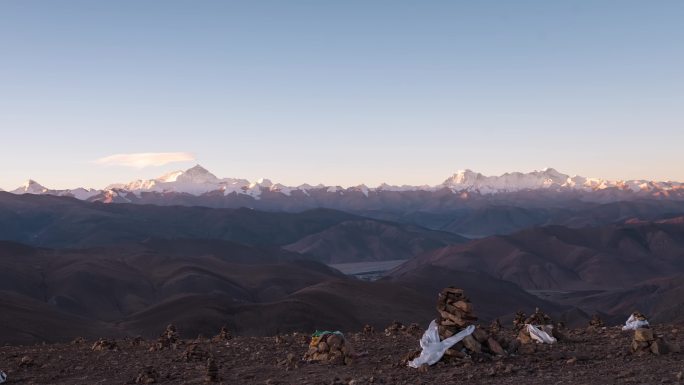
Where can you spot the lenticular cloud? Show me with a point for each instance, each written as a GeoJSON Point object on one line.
{"type": "Point", "coordinates": [145, 159]}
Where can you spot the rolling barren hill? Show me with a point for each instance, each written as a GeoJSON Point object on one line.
{"type": "Point", "coordinates": [369, 240]}
{"type": "Point", "coordinates": [612, 269]}
{"type": "Point", "coordinates": [138, 288]}
{"type": "Point", "coordinates": [559, 258]}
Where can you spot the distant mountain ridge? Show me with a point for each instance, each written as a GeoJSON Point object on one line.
{"type": "Point", "coordinates": [198, 181]}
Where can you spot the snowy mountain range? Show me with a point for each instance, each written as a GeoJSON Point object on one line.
{"type": "Point", "coordinates": [198, 181]}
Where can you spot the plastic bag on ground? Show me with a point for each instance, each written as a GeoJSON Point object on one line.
{"type": "Point", "coordinates": [538, 334]}
{"type": "Point", "coordinates": [634, 324]}
{"type": "Point", "coordinates": [433, 348]}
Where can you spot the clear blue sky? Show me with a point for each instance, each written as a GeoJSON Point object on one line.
{"type": "Point", "coordinates": [341, 92]}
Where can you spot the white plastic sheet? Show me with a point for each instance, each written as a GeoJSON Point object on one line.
{"type": "Point", "coordinates": [540, 335]}
{"type": "Point", "coordinates": [433, 348]}
{"type": "Point", "coordinates": [3, 377]}
{"type": "Point", "coordinates": [634, 324]}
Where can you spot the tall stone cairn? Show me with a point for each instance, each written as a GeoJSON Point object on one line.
{"type": "Point", "coordinates": [455, 314]}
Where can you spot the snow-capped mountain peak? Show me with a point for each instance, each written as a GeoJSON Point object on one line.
{"type": "Point", "coordinates": [197, 174]}
{"type": "Point", "coordinates": [30, 187]}
{"type": "Point", "coordinates": [198, 181]}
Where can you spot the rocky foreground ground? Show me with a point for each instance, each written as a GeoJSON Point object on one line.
{"type": "Point", "coordinates": [588, 356]}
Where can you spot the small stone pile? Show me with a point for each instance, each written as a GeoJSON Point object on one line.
{"type": "Point", "coordinates": [414, 330]}
{"type": "Point", "coordinates": [394, 329]}
{"type": "Point", "coordinates": [224, 335]}
{"type": "Point", "coordinates": [455, 314]}
{"type": "Point", "coordinates": [148, 375]}
{"type": "Point", "coordinates": [103, 344]}
{"type": "Point", "coordinates": [136, 341]}
{"type": "Point", "coordinates": [495, 327]}
{"type": "Point", "coordinates": [212, 374]}
{"type": "Point", "coordinates": [646, 341]}
{"type": "Point", "coordinates": [519, 320]}
{"type": "Point", "coordinates": [368, 330]}
{"type": "Point", "coordinates": [168, 340]}
{"type": "Point", "coordinates": [596, 322]}
{"type": "Point", "coordinates": [330, 347]}
{"type": "Point", "coordinates": [539, 319]}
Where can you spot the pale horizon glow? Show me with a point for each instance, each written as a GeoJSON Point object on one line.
{"type": "Point", "coordinates": [340, 93]}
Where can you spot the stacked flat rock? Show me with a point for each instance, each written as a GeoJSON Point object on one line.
{"type": "Point", "coordinates": [331, 348]}
{"type": "Point", "coordinates": [167, 340]}
{"type": "Point", "coordinates": [596, 322]}
{"type": "Point", "coordinates": [645, 341]}
{"type": "Point", "coordinates": [455, 314]}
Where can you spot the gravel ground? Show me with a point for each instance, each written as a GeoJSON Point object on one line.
{"type": "Point", "coordinates": [587, 357]}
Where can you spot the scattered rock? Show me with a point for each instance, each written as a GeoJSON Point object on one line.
{"type": "Point", "coordinates": [25, 362]}
{"type": "Point", "coordinates": [104, 344]}
{"type": "Point", "coordinates": [78, 341]}
{"type": "Point", "coordinates": [224, 335]}
{"type": "Point", "coordinates": [195, 352]}
{"type": "Point", "coordinates": [212, 374]}
{"type": "Point", "coordinates": [148, 375]}
{"type": "Point", "coordinates": [394, 328]}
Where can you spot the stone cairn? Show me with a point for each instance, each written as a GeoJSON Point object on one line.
{"type": "Point", "coordinates": [645, 341]}
{"type": "Point", "coordinates": [540, 319]}
{"type": "Point", "coordinates": [455, 314]}
{"type": "Point", "coordinates": [224, 335]}
{"type": "Point", "coordinates": [368, 330]}
{"type": "Point", "coordinates": [167, 340]}
{"type": "Point", "coordinates": [330, 347]}
{"type": "Point", "coordinates": [596, 322]}
{"type": "Point", "coordinates": [519, 320]}
{"type": "Point", "coordinates": [103, 344]}
{"type": "Point", "coordinates": [495, 327]}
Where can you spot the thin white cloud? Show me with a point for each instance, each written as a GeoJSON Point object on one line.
{"type": "Point", "coordinates": [145, 159]}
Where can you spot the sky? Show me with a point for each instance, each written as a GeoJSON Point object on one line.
{"type": "Point", "coordinates": [339, 92]}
